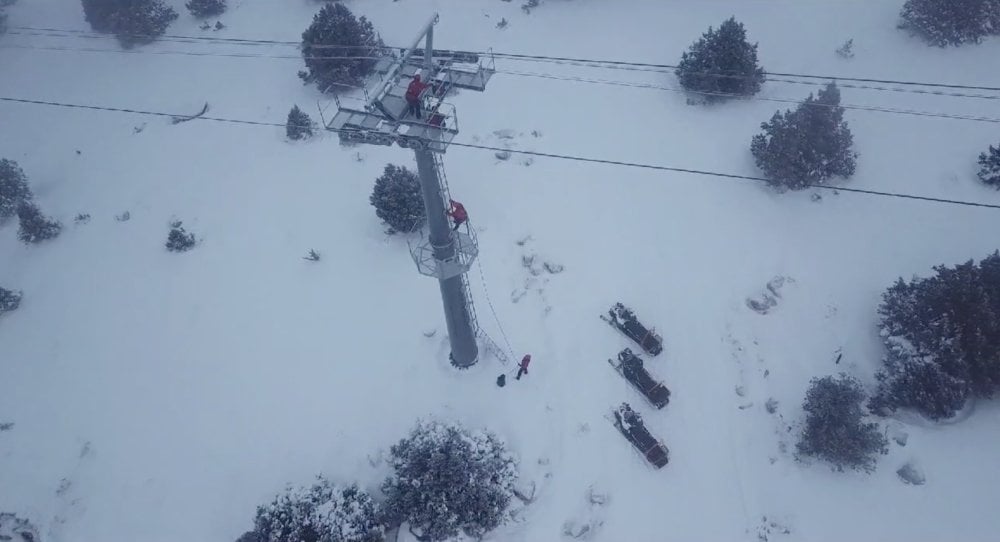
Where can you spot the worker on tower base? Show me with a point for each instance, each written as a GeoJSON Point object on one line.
{"type": "Point", "coordinates": [458, 213]}
{"type": "Point", "coordinates": [523, 368]}
{"type": "Point", "coordinates": [413, 95]}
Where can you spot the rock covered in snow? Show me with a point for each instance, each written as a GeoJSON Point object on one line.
{"type": "Point", "coordinates": [17, 529]}
{"type": "Point", "coordinates": [912, 475]}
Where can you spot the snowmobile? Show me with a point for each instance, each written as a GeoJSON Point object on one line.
{"type": "Point", "coordinates": [624, 320]}
{"type": "Point", "coordinates": [631, 367]}
{"type": "Point", "coordinates": [631, 426]}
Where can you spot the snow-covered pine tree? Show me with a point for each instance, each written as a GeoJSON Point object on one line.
{"type": "Point", "coordinates": [179, 240]}
{"type": "Point", "coordinates": [323, 512]}
{"type": "Point", "coordinates": [722, 63]}
{"type": "Point", "coordinates": [448, 481]}
{"type": "Point", "coordinates": [990, 171]}
{"type": "Point", "coordinates": [206, 8]}
{"type": "Point", "coordinates": [951, 22]}
{"type": "Point", "coordinates": [13, 188]}
{"type": "Point", "coordinates": [299, 125]}
{"type": "Point", "coordinates": [808, 145]}
{"type": "Point", "coordinates": [398, 200]}
{"type": "Point", "coordinates": [9, 300]}
{"type": "Point", "coordinates": [133, 22]}
{"type": "Point", "coordinates": [336, 32]}
{"type": "Point", "coordinates": [942, 336]}
{"type": "Point", "coordinates": [34, 226]}
{"type": "Point", "coordinates": [834, 428]}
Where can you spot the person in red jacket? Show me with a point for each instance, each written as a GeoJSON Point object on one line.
{"type": "Point", "coordinates": [458, 214]}
{"type": "Point", "coordinates": [413, 95]}
{"type": "Point", "coordinates": [523, 368]}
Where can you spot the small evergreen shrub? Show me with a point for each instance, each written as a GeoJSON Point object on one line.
{"type": "Point", "coordinates": [9, 300]}
{"type": "Point", "coordinates": [806, 146]}
{"type": "Point", "coordinates": [179, 240]}
{"type": "Point", "coordinates": [835, 430]}
{"type": "Point", "coordinates": [722, 63]}
{"type": "Point", "coordinates": [846, 50]}
{"type": "Point", "coordinates": [133, 22]}
{"type": "Point", "coordinates": [398, 200]}
{"type": "Point", "coordinates": [299, 125]}
{"type": "Point", "coordinates": [339, 48]}
{"type": "Point", "coordinates": [323, 512]}
{"type": "Point", "coordinates": [942, 339]}
{"type": "Point", "coordinates": [34, 227]}
{"type": "Point", "coordinates": [951, 22]}
{"type": "Point", "coordinates": [989, 172]}
{"type": "Point", "coordinates": [13, 188]}
{"type": "Point", "coordinates": [448, 480]}
{"type": "Point", "coordinates": [206, 8]}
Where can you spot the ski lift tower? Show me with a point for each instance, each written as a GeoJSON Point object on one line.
{"type": "Point", "coordinates": [384, 119]}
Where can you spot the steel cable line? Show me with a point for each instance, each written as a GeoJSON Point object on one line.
{"type": "Point", "coordinates": [913, 112]}
{"type": "Point", "coordinates": [620, 163]}
{"type": "Point", "coordinates": [620, 64]}
{"type": "Point", "coordinates": [840, 83]}
{"type": "Point", "coordinates": [879, 109]}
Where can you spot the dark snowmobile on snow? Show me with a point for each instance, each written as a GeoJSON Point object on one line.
{"type": "Point", "coordinates": [631, 367]}
{"type": "Point", "coordinates": [623, 319]}
{"type": "Point", "coordinates": [630, 424]}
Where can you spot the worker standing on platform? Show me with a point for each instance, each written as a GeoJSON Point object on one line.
{"type": "Point", "coordinates": [413, 92]}
{"type": "Point", "coordinates": [458, 213]}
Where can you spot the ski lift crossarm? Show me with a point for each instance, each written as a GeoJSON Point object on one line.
{"type": "Point", "coordinates": [393, 72]}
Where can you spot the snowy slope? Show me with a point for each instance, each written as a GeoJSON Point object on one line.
{"type": "Point", "coordinates": [174, 393]}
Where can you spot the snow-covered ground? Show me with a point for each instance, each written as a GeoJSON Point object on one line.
{"type": "Point", "coordinates": [160, 397]}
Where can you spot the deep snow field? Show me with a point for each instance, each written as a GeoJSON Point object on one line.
{"type": "Point", "coordinates": [160, 397]}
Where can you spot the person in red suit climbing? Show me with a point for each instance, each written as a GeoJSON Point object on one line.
{"type": "Point", "coordinates": [523, 368]}
{"type": "Point", "coordinates": [413, 95]}
{"type": "Point", "coordinates": [458, 213]}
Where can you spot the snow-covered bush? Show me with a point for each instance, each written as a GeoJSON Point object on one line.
{"type": "Point", "coordinates": [808, 145]}
{"type": "Point", "coordinates": [323, 512]}
{"type": "Point", "coordinates": [206, 8]}
{"type": "Point", "coordinates": [951, 22]}
{"type": "Point", "coordinates": [133, 22]}
{"type": "Point", "coordinates": [34, 226]}
{"type": "Point", "coordinates": [990, 171]}
{"type": "Point", "coordinates": [722, 62]}
{"type": "Point", "coordinates": [398, 200]}
{"type": "Point", "coordinates": [13, 188]}
{"type": "Point", "coordinates": [336, 32]}
{"type": "Point", "coordinates": [449, 480]}
{"type": "Point", "coordinates": [179, 240]}
{"type": "Point", "coordinates": [834, 429]}
{"type": "Point", "coordinates": [9, 300]}
{"type": "Point", "coordinates": [942, 336]}
{"type": "Point", "coordinates": [299, 125]}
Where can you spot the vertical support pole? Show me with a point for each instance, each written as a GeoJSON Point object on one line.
{"type": "Point", "coordinates": [464, 350]}
{"type": "Point", "coordinates": [429, 48]}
